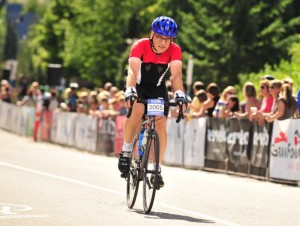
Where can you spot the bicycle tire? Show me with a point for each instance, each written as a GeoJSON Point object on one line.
{"type": "Point", "coordinates": [151, 156]}
{"type": "Point", "coordinates": [133, 175]}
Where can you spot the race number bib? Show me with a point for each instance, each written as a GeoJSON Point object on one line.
{"type": "Point", "coordinates": [155, 107]}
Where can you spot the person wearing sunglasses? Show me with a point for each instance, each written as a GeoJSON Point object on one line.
{"type": "Point", "coordinates": [266, 102]}
{"type": "Point", "coordinates": [223, 101]}
{"type": "Point", "coordinates": [285, 105]}
{"type": "Point", "coordinates": [150, 59]}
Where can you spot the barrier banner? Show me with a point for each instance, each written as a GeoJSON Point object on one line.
{"type": "Point", "coordinates": [238, 140]}
{"type": "Point", "coordinates": [86, 132]}
{"type": "Point", "coordinates": [259, 151]}
{"type": "Point", "coordinates": [45, 125]}
{"type": "Point", "coordinates": [14, 119]}
{"type": "Point", "coordinates": [30, 111]}
{"type": "Point", "coordinates": [66, 128]}
{"type": "Point", "coordinates": [22, 120]}
{"type": "Point", "coordinates": [215, 147]}
{"type": "Point", "coordinates": [194, 143]}
{"type": "Point", "coordinates": [285, 150]}
{"type": "Point", "coordinates": [175, 136]}
{"type": "Point", "coordinates": [106, 135]}
{"type": "Point", "coordinates": [53, 132]}
{"type": "Point", "coordinates": [5, 116]}
{"type": "Point", "coordinates": [119, 136]}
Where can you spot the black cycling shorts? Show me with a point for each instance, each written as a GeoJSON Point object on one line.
{"type": "Point", "coordinates": [148, 92]}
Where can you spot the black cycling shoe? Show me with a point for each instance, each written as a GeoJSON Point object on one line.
{"type": "Point", "coordinates": [124, 163]}
{"type": "Point", "coordinates": [160, 182]}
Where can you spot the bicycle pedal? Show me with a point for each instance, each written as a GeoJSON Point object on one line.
{"type": "Point", "coordinates": [124, 175]}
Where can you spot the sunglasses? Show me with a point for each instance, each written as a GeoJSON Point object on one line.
{"type": "Point", "coordinates": [232, 93]}
{"type": "Point", "coordinates": [262, 87]}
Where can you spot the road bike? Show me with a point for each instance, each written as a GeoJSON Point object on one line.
{"type": "Point", "coordinates": [144, 157]}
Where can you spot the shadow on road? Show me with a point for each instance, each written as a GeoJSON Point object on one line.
{"type": "Point", "coordinates": [170, 216]}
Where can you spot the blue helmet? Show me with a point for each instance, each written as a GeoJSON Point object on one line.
{"type": "Point", "coordinates": [165, 26]}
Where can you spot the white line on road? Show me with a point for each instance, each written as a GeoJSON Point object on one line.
{"type": "Point", "coordinates": [24, 216]}
{"type": "Point", "coordinates": [111, 191]}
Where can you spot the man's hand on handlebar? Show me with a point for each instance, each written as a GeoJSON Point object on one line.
{"type": "Point", "coordinates": [181, 102]}
{"type": "Point", "coordinates": [130, 96]}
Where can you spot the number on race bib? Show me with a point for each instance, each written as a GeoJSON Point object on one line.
{"type": "Point", "coordinates": [155, 107]}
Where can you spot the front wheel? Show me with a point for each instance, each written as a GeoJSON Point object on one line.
{"type": "Point", "coordinates": [150, 170]}
{"type": "Point", "coordinates": [133, 175]}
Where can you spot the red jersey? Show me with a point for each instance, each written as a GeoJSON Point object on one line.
{"type": "Point", "coordinates": [154, 66]}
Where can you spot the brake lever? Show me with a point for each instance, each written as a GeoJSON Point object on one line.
{"type": "Point", "coordinates": [132, 99]}
{"type": "Point", "coordinates": [180, 114]}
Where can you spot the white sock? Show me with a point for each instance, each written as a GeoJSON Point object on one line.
{"type": "Point", "coordinates": [127, 147]}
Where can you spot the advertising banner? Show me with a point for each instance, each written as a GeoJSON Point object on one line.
{"type": "Point", "coordinates": [106, 135]}
{"type": "Point", "coordinates": [45, 125]}
{"type": "Point", "coordinates": [285, 150]}
{"type": "Point", "coordinates": [194, 143]}
{"type": "Point", "coordinates": [238, 140]}
{"type": "Point", "coordinates": [119, 136]}
{"type": "Point", "coordinates": [86, 132]}
{"type": "Point", "coordinates": [259, 151]}
{"type": "Point", "coordinates": [215, 147]}
{"type": "Point", "coordinates": [174, 149]}
{"type": "Point", "coordinates": [65, 128]}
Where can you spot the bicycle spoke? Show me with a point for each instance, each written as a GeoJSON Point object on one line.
{"type": "Point", "coordinates": [133, 177]}
{"type": "Point", "coordinates": [150, 171]}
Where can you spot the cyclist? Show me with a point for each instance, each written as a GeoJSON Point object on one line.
{"type": "Point", "coordinates": [149, 61]}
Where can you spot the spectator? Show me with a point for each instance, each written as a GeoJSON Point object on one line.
{"type": "Point", "coordinates": [83, 103]}
{"type": "Point", "coordinates": [229, 90]}
{"type": "Point", "coordinates": [113, 98]}
{"type": "Point", "coordinates": [54, 103]}
{"type": "Point", "coordinates": [93, 109]}
{"type": "Point", "coordinates": [266, 103]}
{"type": "Point", "coordinates": [231, 107]}
{"type": "Point", "coordinates": [121, 100]}
{"type": "Point", "coordinates": [72, 97]}
{"type": "Point", "coordinates": [107, 86]}
{"type": "Point", "coordinates": [268, 77]}
{"type": "Point", "coordinates": [34, 95]}
{"type": "Point", "coordinates": [201, 95]}
{"type": "Point", "coordinates": [105, 108]}
{"type": "Point", "coordinates": [286, 106]}
{"type": "Point", "coordinates": [250, 100]}
{"type": "Point", "coordinates": [195, 105]}
{"type": "Point", "coordinates": [5, 91]}
{"type": "Point", "coordinates": [213, 94]}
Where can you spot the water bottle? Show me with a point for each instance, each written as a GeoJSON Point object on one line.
{"type": "Point", "coordinates": [140, 145]}
{"type": "Point", "coordinates": [298, 96]}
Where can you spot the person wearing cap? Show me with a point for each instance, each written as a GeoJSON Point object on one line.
{"type": "Point", "coordinates": [268, 77]}
{"type": "Point", "coordinates": [72, 97]}
{"type": "Point", "coordinates": [149, 61]}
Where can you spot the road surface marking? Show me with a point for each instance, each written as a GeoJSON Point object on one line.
{"type": "Point", "coordinates": [112, 191]}
{"type": "Point", "coordinates": [10, 210]}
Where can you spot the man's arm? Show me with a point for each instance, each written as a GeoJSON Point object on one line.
{"type": "Point", "coordinates": [133, 70]}
{"type": "Point", "coordinates": [176, 72]}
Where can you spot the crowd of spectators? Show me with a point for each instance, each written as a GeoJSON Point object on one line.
{"type": "Point", "coordinates": [274, 100]}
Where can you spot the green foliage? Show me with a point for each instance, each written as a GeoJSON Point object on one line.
{"type": "Point", "coordinates": [285, 69]}
{"type": "Point", "coordinates": [2, 32]}
{"type": "Point", "coordinates": [226, 38]}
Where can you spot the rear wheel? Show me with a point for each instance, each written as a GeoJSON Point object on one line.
{"type": "Point", "coordinates": [133, 175]}
{"type": "Point", "coordinates": [150, 170]}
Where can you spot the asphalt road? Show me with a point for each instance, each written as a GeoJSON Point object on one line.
{"type": "Point", "coordinates": [43, 184]}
